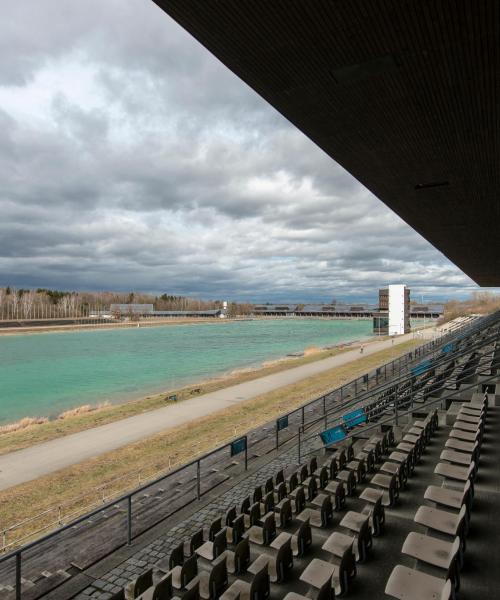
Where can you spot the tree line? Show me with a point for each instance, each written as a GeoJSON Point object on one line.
{"type": "Point", "coordinates": [42, 303]}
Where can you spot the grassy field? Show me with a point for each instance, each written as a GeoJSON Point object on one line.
{"type": "Point", "coordinates": [118, 471]}
{"type": "Point", "coordinates": [50, 430]}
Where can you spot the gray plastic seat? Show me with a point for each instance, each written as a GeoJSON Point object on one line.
{"type": "Point", "coordinates": [455, 472]}
{"type": "Point", "coordinates": [211, 583]}
{"type": "Point", "coordinates": [161, 591]}
{"type": "Point", "coordinates": [465, 426]}
{"type": "Point", "coordinates": [257, 589]}
{"type": "Point", "coordinates": [409, 584]}
{"type": "Point", "coordinates": [279, 563]}
{"type": "Point", "coordinates": [456, 458]}
{"type": "Point", "coordinates": [139, 585]}
{"type": "Point", "coordinates": [211, 550]}
{"type": "Point", "coordinates": [436, 552]}
{"type": "Point", "coordinates": [442, 520]}
{"type": "Point", "coordinates": [237, 561]}
{"type": "Point", "coordinates": [466, 436]}
{"type": "Point", "coordinates": [302, 539]}
{"type": "Point", "coordinates": [450, 497]}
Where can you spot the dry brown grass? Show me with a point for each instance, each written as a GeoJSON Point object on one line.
{"type": "Point", "coordinates": [22, 424]}
{"type": "Point", "coordinates": [175, 446]}
{"type": "Point", "coordinates": [479, 303]}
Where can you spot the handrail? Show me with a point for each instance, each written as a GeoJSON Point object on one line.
{"type": "Point", "coordinates": [390, 419]}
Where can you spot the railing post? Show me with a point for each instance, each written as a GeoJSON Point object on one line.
{"type": "Point", "coordinates": [396, 420]}
{"type": "Point", "coordinates": [277, 436]}
{"type": "Point", "coordinates": [299, 458]}
{"type": "Point", "coordinates": [246, 453]}
{"type": "Point", "coordinates": [18, 576]}
{"type": "Point", "coordinates": [303, 416]}
{"type": "Point", "coordinates": [324, 411]}
{"type": "Point", "coordinates": [198, 480]}
{"type": "Point", "coordinates": [129, 520]}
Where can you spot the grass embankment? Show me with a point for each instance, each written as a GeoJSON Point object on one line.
{"type": "Point", "coordinates": [44, 430]}
{"type": "Point", "coordinates": [176, 445]}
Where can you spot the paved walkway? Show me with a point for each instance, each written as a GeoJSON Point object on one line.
{"type": "Point", "coordinates": [42, 459]}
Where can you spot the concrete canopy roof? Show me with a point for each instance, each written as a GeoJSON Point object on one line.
{"type": "Point", "coordinates": [404, 94]}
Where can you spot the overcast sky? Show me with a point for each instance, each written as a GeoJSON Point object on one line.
{"type": "Point", "coordinates": [130, 158]}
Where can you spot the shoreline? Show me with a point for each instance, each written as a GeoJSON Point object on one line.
{"type": "Point", "coordinates": [224, 379]}
{"type": "Point", "coordinates": [12, 331]}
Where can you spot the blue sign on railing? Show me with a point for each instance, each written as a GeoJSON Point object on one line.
{"type": "Point", "coordinates": [335, 434]}
{"type": "Point", "coordinates": [356, 417]}
{"type": "Point", "coordinates": [448, 348]}
{"type": "Point", "coordinates": [421, 368]}
{"type": "Point", "coordinates": [282, 423]}
{"type": "Point", "coordinates": [238, 446]}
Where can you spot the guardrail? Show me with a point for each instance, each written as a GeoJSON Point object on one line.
{"type": "Point", "coordinates": [395, 403]}
{"type": "Point", "coordinates": [235, 448]}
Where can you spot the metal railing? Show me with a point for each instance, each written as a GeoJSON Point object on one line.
{"type": "Point", "coordinates": [298, 415]}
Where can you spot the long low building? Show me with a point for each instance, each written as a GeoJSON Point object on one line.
{"type": "Point", "coordinates": [430, 311]}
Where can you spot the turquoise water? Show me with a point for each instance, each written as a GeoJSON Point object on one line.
{"type": "Point", "coordinates": [45, 374]}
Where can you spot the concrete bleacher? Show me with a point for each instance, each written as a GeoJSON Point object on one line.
{"type": "Point", "coordinates": [399, 477]}
{"type": "Point", "coordinates": [355, 546]}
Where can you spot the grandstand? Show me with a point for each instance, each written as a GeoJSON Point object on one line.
{"type": "Point", "coordinates": [344, 495]}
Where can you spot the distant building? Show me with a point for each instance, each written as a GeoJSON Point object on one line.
{"type": "Point", "coordinates": [134, 309]}
{"type": "Point", "coordinates": [393, 315]}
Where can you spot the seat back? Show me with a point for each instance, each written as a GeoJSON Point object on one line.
{"type": "Point", "coordinates": [220, 543]}
{"type": "Point", "coordinates": [193, 593]}
{"type": "Point", "coordinates": [281, 491]}
{"type": "Point", "coordinates": [303, 473]}
{"type": "Point", "coordinates": [300, 500]}
{"type": "Point", "coordinates": [269, 485]}
{"type": "Point", "coordinates": [245, 506]}
{"type": "Point", "coordinates": [304, 537]}
{"type": "Point", "coordinates": [143, 582]}
{"type": "Point", "coordinates": [257, 494]}
{"type": "Point", "coordinates": [284, 560]}
{"type": "Point", "coordinates": [378, 517]}
{"type": "Point", "coordinates": [230, 516]}
{"type": "Point", "coordinates": [215, 527]}
{"type": "Point", "coordinates": [268, 502]}
{"type": "Point", "coordinates": [189, 570]}
{"type": "Point", "coordinates": [364, 540]}
{"type": "Point", "coordinates": [313, 465]}
{"type": "Point", "coordinates": [323, 477]}
{"type": "Point", "coordinates": [325, 591]}
{"type": "Point", "coordinates": [260, 588]}
{"type": "Point", "coordinates": [163, 589]}
{"type": "Point", "coordinates": [196, 541]}
{"type": "Point", "coordinates": [238, 528]}
{"type": "Point", "coordinates": [293, 482]}
{"type": "Point", "coordinates": [350, 452]}
{"type": "Point", "coordinates": [333, 467]}
{"type": "Point", "coordinates": [326, 510]}
{"type": "Point", "coordinates": [347, 569]}
{"type": "Point", "coordinates": [285, 514]}
{"type": "Point", "coordinates": [254, 513]}
{"type": "Point", "coordinates": [370, 460]}
{"type": "Point", "coordinates": [393, 491]}
{"type": "Point", "coordinates": [242, 556]}
{"type": "Point", "coordinates": [177, 556]}
{"type": "Point", "coordinates": [279, 477]}
{"type": "Point", "coordinates": [341, 458]}
{"type": "Point", "coordinates": [217, 582]}
{"type": "Point", "coordinates": [269, 529]}
{"type": "Point", "coordinates": [312, 488]}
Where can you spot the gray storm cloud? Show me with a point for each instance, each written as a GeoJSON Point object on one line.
{"type": "Point", "coordinates": [131, 158]}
